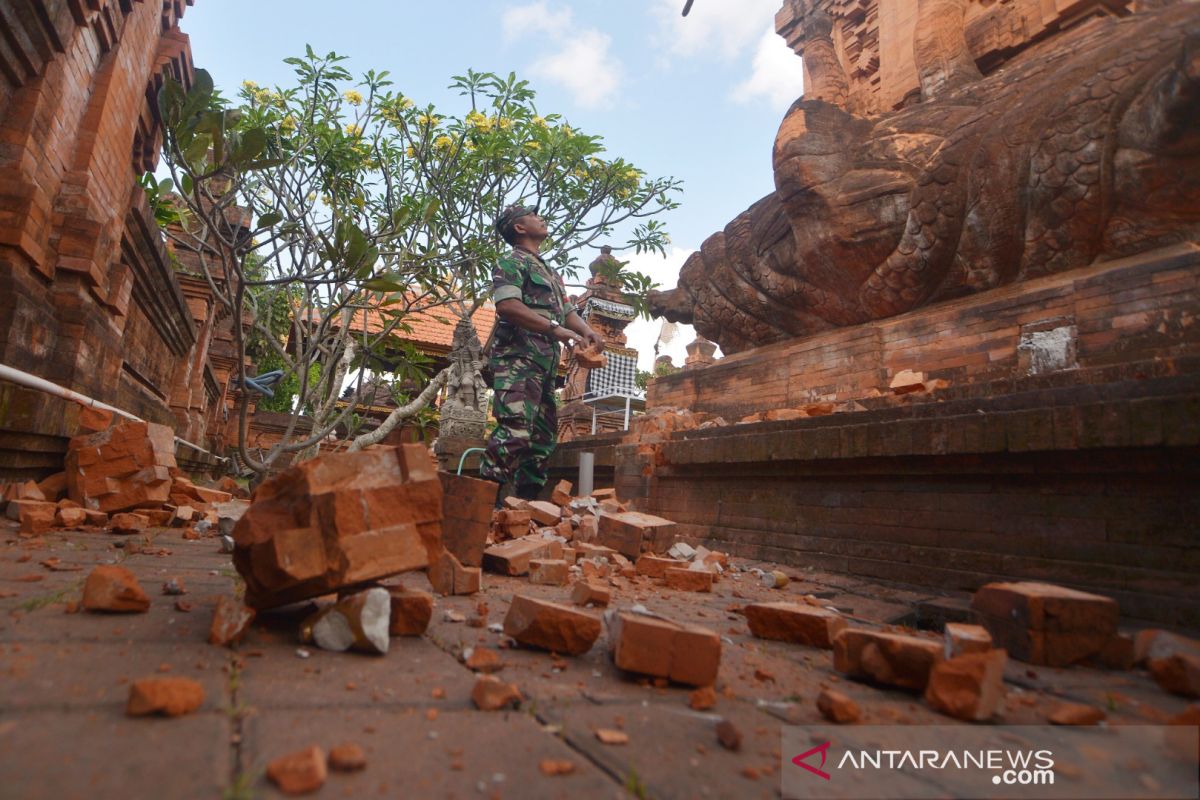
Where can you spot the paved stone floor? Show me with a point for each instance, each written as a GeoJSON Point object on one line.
{"type": "Point", "coordinates": [64, 680]}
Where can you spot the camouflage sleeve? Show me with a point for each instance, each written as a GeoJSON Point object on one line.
{"type": "Point", "coordinates": [508, 280]}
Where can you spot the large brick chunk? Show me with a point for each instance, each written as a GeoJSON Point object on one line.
{"type": "Point", "coordinates": [124, 467]}
{"type": "Point", "coordinates": [1040, 623]}
{"type": "Point", "coordinates": [655, 566]}
{"type": "Point", "coordinates": [170, 697]}
{"type": "Point", "coordinates": [513, 557]}
{"type": "Point", "coordinates": [689, 580]}
{"type": "Point", "coordinates": [551, 626]}
{"type": "Point", "coordinates": [544, 513]}
{"type": "Point", "coordinates": [112, 588]}
{"type": "Point", "coordinates": [338, 520]}
{"type": "Point", "coordinates": [632, 533]}
{"type": "Point", "coordinates": [968, 687]}
{"type": "Point", "coordinates": [411, 611]}
{"type": "Point", "coordinates": [467, 506]}
{"type": "Point", "coordinates": [664, 649]}
{"type": "Point", "coordinates": [35, 516]}
{"type": "Point", "coordinates": [889, 658]}
{"type": "Point", "coordinates": [449, 577]}
{"type": "Point", "coordinates": [548, 571]}
{"type": "Point", "coordinates": [586, 591]}
{"type": "Point", "coordinates": [792, 622]}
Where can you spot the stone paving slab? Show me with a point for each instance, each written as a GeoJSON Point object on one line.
{"type": "Point", "coordinates": [459, 754]}
{"type": "Point", "coordinates": [59, 755]}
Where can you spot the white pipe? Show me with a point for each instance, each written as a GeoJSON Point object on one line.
{"type": "Point", "coordinates": [29, 381]}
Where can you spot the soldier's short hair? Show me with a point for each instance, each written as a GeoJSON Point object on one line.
{"type": "Point", "coordinates": [508, 218]}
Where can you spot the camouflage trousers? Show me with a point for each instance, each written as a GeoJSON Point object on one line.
{"type": "Point", "coordinates": [526, 415]}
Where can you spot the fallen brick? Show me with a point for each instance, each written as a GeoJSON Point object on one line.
{"type": "Point", "coordinates": [97, 518]}
{"type": "Point", "coordinates": [702, 699]}
{"type": "Point", "coordinates": [790, 622]}
{"type": "Point", "coordinates": [410, 612]}
{"type": "Point", "coordinates": [449, 577]}
{"type": "Point", "coordinates": [171, 697]}
{"type": "Point", "coordinates": [611, 736]}
{"type": "Point", "coordinates": [887, 658]}
{"type": "Point", "coordinates": [115, 589]}
{"type": "Point", "coordinates": [513, 557]}
{"type": "Point", "coordinates": [54, 487]}
{"type": "Point", "coordinates": [70, 517]}
{"type": "Point", "coordinates": [554, 767]}
{"type": "Point", "coordinates": [183, 515]}
{"type": "Point", "coordinates": [124, 467]}
{"type": "Point", "coordinates": [550, 626]}
{"type": "Point", "coordinates": [126, 524]}
{"type": "Point", "coordinates": [35, 516]}
{"type": "Point", "coordinates": [516, 503]}
{"type": "Point", "coordinates": [1157, 644]}
{"type": "Point", "coordinates": [968, 687]}
{"type": "Point", "coordinates": [1118, 653]}
{"type": "Point", "coordinates": [299, 773]}
{"type": "Point", "coordinates": [544, 513]}
{"type": "Point", "coordinates": [230, 623]}
{"type": "Point", "coordinates": [591, 357]}
{"type": "Point", "coordinates": [631, 533]}
{"type": "Point", "coordinates": [1178, 673]}
{"type": "Point", "coordinates": [907, 381]}
{"type": "Point", "coordinates": [689, 580]}
{"type": "Point", "coordinates": [587, 550]}
{"type": "Point", "coordinates": [594, 568]}
{"type": "Point", "coordinates": [604, 494]}
{"type": "Point", "coordinates": [94, 420]}
{"type": "Point", "coordinates": [347, 757]}
{"type": "Point", "coordinates": [837, 707]}
{"type": "Point", "coordinates": [962, 638]}
{"type": "Point", "coordinates": [483, 659]}
{"type": "Point", "coordinates": [653, 566]}
{"type": "Point", "coordinates": [341, 519]}
{"type": "Point", "coordinates": [467, 507]}
{"type": "Point", "coordinates": [589, 529]}
{"type": "Point", "coordinates": [359, 622]}
{"type": "Point", "coordinates": [1044, 624]}
{"type": "Point", "coordinates": [1075, 714]}
{"type": "Point", "coordinates": [565, 529]}
{"type": "Point", "coordinates": [548, 572]}
{"type": "Point", "coordinates": [569, 555]}
{"type": "Point", "coordinates": [586, 592]}
{"type": "Point", "coordinates": [728, 735]}
{"type": "Point", "coordinates": [492, 694]}
{"type": "Point", "coordinates": [561, 495]}
{"type": "Point", "coordinates": [664, 649]}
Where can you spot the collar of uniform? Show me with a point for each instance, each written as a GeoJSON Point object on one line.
{"type": "Point", "coordinates": [522, 250]}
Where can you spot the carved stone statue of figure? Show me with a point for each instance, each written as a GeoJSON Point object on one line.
{"type": "Point", "coordinates": [464, 412]}
{"type": "Point", "coordinates": [1083, 148]}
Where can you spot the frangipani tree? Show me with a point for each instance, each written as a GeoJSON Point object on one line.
{"type": "Point", "coordinates": [316, 206]}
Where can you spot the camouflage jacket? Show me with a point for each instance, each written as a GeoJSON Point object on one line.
{"type": "Point", "coordinates": [522, 275]}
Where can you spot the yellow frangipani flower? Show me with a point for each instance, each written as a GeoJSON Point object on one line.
{"type": "Point", "coordinates": [410, 151]}
{"type": "Point", "coordinates": [354, 130]}
{"type": "Point", "coordinates": [250, 86]}
{"type": "Point", "coordinates": [405, 103]}
{"type": "Point", "coordinates": [540, 122]}
{"type": "Point", "coordinates": [533, 146]}
{"type": "Point", "coordinates": [504, 122]}
{"type": "Point", "coordinates": [287, 124]}
{"type": "Point", "coordinates": [443, 142]}
{"type": "Point", "coordinates": [352, 97]}
{"type": "Point", "coordinates": [428, 119]}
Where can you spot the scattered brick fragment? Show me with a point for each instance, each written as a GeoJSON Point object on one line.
{"type": "Point", "coordinates": [551, 626]}
{"type": "Point", "coordinates": [484, 659]}
{"type": "Point", "coordinates": [513, 557]}
{"type": "Point", "coordinates": [123, 467]}
{"type": "Point", "coordinates": [70, 517]}
{"type": "Point", "coordinates": [1118, 653]}
{"type": "Point", "coordinates": [492, 694]}
{"type": "Point", "coordinates": [612, 736]}
{"type": "Point", "coordinates": [591, 357]}
{"type": "Point", "coordinates": [814, 626]}
{"type": "Point", "coordinates": [1153, 643]}
{"type": "Point", "coordinates": [654, 566]}
{"type": "Point", "coordinates": [299, 773]}
{"type": "Point", "coordinates": [561, 495]}
{"type": "Point", "coordinates": [174, 586]}
{"type": "Point", "coordinates": [1075, 714]}
{"type": "Point", "coordinates": [96, 518]}
{"type": "Point", "coordinates": [1178, 673]}
{"type": "Point", "coordinates": [588, 530]}
{"type": "Point", "coordinates": [689, 580]}
{"type": "Point", "coordinates": [729, 736]}
{"type": "Point", "coordinates": [664, 649]}
{"type": "Point", "coordinates": [347, 757]}
{"type": "Point", "coordinates": [170, 697]}
{"type": "Point", "coordinates": [703, 698]}
{"type": "Point", "coordinates": [35, 516]}
{"type": "Point", "coordinates": [113, 588]}
{"type": "Point", "coordinates": [548, 571]}
{"type": "Point", "coordinates": [359, 622]}
{"type": "Point", "coordinates": [553, 767]}
{"type": "Point", "coordinates": [94, 420]}
{"type": "Point", "coordinates": [126, 523]}
{"type": "Point", "coordinates": [962, 638]}
{"type": "Point", "coordinates": [411, 611]}
{"type": "Point", "coordinates": [449, 577]}
{"type": "Point", "coordinates": [837, 707]}
{"type": "Point", "coordinates": [888, 658]}
{"type": "Point", "coordinates": [587, 592]}
{"type": "Point", "coordinates": [968, 687]}
{"type": "Point", "coordinates": [230, 623]}
{"type": "Point", "coordinates": [467, 506]}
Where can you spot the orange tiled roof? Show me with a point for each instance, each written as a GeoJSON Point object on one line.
{"type": "Point", "coordinates": [432, 330]}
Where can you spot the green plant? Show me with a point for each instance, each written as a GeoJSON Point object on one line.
{"type": "Point", "coordinates": [361, 207]}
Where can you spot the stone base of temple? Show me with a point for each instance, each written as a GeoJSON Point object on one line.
{"type": "Point", "coordinates": [1057, 437]}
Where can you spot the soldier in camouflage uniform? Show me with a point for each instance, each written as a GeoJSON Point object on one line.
{"type": "Point", "coordinates": [534, 316]}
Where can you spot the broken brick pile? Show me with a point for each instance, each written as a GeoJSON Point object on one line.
{"type": "Point", "coordinates": [122, 477]}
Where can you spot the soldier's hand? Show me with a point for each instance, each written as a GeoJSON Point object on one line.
{"type": "Point", "coordinates": [593, 339]}
{"type": "Point", "coordinates": [565, 335]}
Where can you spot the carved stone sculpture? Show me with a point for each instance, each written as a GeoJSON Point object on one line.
{"type": "Point", "coordinates": [1083, 148]}
{"type": "Point", "coordinates": [464, 412]}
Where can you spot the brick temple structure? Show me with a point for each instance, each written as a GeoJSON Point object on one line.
{"type": "Point", "coordinates": [961, 340]}
{"type": "Point", "coordinates": [92, 301]}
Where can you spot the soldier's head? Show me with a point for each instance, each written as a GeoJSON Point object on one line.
{"type": "Point", "coordinates": [520, 224]}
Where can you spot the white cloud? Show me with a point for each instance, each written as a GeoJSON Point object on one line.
{"type": "Point", "coordinates": [534, 19]}
{"type": "Point", "coordinates": [643, 334]}
{"type": "Point", "coordinates": [578, 59]}
{"type": "Point", "coordinates": [724, 27]}
{"type": "Point", "coordinates": [583, 66]}
{"type": "Point", "coordinates": [778, 75]}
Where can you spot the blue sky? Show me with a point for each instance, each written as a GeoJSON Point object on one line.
{"type": "Point", "coordinates": [697, 98]}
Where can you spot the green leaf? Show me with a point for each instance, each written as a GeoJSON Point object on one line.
{"type": "Point", "coordinates": [383, 284]}
{"type": "Point", "coordinates": [253, 142]}
{"type": "Point", "coordinates": [269, 219]}
{"type": "Point", "coordinates": [186, 184]}
{"type": "Point", "coordinates": [431, 210]}
{"type": "Point", "coordinates": [165, 186]}
{"type": "Point", "coordinates": [198, 149]}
